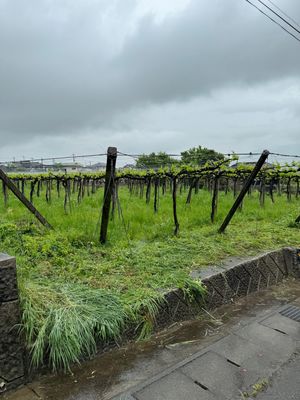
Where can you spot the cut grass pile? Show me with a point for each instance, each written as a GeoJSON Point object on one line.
{"type": "Point", "coordinates": [75, 291]}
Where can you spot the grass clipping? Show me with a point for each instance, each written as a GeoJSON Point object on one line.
{"type": "Point", "coordinates": [62, 322]}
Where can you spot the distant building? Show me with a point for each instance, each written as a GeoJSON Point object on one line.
{"type": "Point", "coordinates": [97, 167]}
{"type": "Point", "coordinates": [32, 167]}
{"type": "Point", "coordinates": [23, 166]}
{"type": "Point", "coordinates": [66, 167]}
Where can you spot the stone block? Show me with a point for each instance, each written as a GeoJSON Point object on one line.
{"type": "Point", "coordinates": [8, 278]}
{"type": "Point", "coordinates": [266, 276]}
{"type": "Point", "coordinates": [232, 281]}
{"type": "Point", "coordinates": [235, 348]}
{"type": "Point", "coordinates": [11, 349]}
{"type": "Point", "coordinates": [241, 272]}
{"type": "Point", "coordinates": [213, 298]}
{"type": "Point", "coordinates": [12, 368]}
{"type": "Point", "coordinates": [259, 277]}
{"type": "Point", "coordinates": [267, 271]}
{"type": "Point", "coordinates": [9, 328]}
{"type": "Point", "coordinates": [288, 256]}
{"type": "Point", "coordinates": [221, 286]}
{"type": "Point", "coordinates": [219, 376]}
{"type": "Point", "coordinates": [254, 360]}
{"type": "Point", "coordinates": [283, 324]}
{"type": "Point", "coordinates": [244, 278]}
{"type": "Point", "coordinates": [280, 345]}
{"type": "Point", "coordinates": [275, 262]}
{"type": "Point", "coordinates": [173, 386]}
{"type": "Point", "coordinates": [5, 386]}
{"type": "Point", "coordinates": [292, 260]}
{"type": "Point", "coordinates": [176, 307]}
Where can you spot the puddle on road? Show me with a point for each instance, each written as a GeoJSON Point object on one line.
{"type": "Point", "coordinates": [117, 370]}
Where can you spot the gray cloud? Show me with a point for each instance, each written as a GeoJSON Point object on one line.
{"type": "Point", "coordinates": [93, 69]}
{"type": "Point", "coordinates": [206, 48]}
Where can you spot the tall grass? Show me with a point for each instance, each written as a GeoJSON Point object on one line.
{"type": "Point", "coordinates": [63, 321]}
{"type": "Point", "coordinates": [67, 278]}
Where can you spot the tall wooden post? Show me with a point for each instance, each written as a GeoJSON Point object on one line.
{"type": "Point", "coordinates": [175, 206]}
{"type": "Point", "coordinates": [239, 199]}
{"type": "Point", "coordinates": [214, 202]}
{"type": "Point", "coordinates": [108, 190]}
{"type": "Point", "coordinates": [9, 183]}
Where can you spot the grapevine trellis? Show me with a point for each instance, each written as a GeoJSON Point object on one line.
{"type": "Point", "coordinates": [151, 184]}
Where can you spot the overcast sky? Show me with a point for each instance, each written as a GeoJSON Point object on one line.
{"type": "Point", "coordinates": [79, 75]}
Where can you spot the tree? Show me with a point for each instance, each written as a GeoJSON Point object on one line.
{"type": "Point", "coordinates": [154, 161]}
{"type": "Point", "coordinates": [200, 155]}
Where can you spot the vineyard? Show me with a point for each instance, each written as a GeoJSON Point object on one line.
{"type": "Point", "coordinates": [163, 223]}
{"type": "Point", "coordinates": [213, 177]}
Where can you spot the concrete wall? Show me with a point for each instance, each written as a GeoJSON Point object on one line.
{"type": "Point", "coordinates": [235, 278]}
{"type": "Point", "coordinates": [239, 279]}
{"type": "Point", "coordinates": [11, 349]}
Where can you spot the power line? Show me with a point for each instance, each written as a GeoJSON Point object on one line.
{"type": "Point", "coordinates": [136, 156]}
{"type": "Point", "coordinates": [180, 155]}
{"type": "Point", "coordinates": [284, 13]}
{"type": "Point", "coordinates": [42, 159]}
{"type": "Point", "coordinates": [249, 154]}
{"type": "Point", "coordinates": [273, 20]}
{"type": "Point", "coordinates": [278, 15]}
{"type": "Point", "coordinates": [285, 155]}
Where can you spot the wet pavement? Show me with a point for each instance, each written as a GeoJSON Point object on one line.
{"type": "Point", "coordinates": [124, 369]}
{"type": "Point", "coordinates": [285, 385]}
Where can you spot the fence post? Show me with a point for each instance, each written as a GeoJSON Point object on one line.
{"type": "Point", "coordinates": [175, 206]}
{"type": "Point", "coordinates": [214, 202]}
{"type": "Point", "coordinates": [239, 199]}
{"type": "Point", "coordinates": [9, 183]}
{"type": "Point", "coordinates": [108, 190]}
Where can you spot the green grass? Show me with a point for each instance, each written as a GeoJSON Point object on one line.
{"type": "Point", "coordinates": [74, 290]}
{"type": "Point", "coordinates": [63, 320]}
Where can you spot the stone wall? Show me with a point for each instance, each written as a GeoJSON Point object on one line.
{"type": "Point", "coordinates": [11, 348]}
{"type": "Point", "coordinates": [235, 278]}
{"type": "Point", "coordinates": [239, 279]}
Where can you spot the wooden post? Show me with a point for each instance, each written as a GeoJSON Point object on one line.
{"type": "Point", "coordinates": [4, 189]}
{"type": "Point", "coordinates": [288, 190]}
{"type": "Point", "coordinates": [175, 206]}
{"type": "Point", "coordinates": [262, 192]}
{"type": "Point", "coordinates": [239, 199]}
{"type": "Point", "coordinates": [148, 190]}
{"type": "Point", "coordinates": [9, 183]}
{"type": "Point", "coordinates": [108, 190]}
{"type": "Point", "coordinates": [189, 196]}
{"type": "Point", "coordinates": [214, 202]}
{"type": "Point", "coordinates": [156, 188]}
